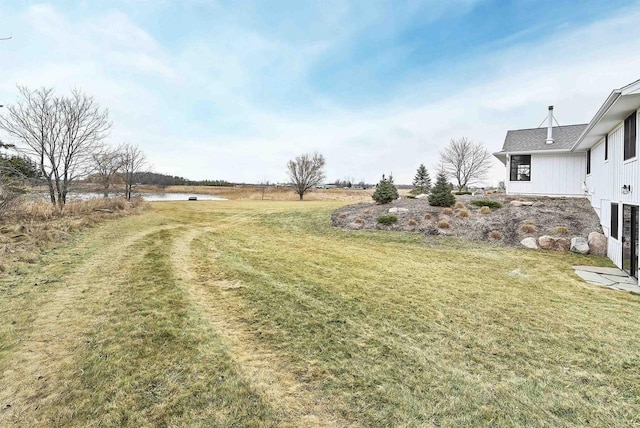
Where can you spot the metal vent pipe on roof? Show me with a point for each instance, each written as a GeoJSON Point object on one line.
{"type": "Point", "coordinates": [550, 126]}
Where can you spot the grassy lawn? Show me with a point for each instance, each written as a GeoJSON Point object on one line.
{"type": "Point", "coordinates": [259, 313]}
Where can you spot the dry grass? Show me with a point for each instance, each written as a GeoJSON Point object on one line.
{"type": "Point", "coordinates": [412, 222]}
{"type": "Point", "coordinates": [459, 205]}
{"type": "Point", "coordinates": [528, 228]}
{"type": "Point", "coordinates": [427, 216]}
{"type": "Point", "coordinates": [561, 230]}
{"type": "Point", "coordinates": [32, 225]}
{"type": "Point", "coordinates": [495, 234]}
{"type": "Point", "coordinates": [269, 193]}
{"type": "Point", "coordinates": [446, 211]}
{"type": "Point", "coordinates": [463, 213]}
{"type": "Point", "coordinates": [485, 210]}
{"type": "Point", "coordinates": [260, 314]}
{"type": "Point", "coordinates": [443, 224]}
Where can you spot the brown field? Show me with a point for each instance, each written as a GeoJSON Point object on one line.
{"type": "Point", "coordinates": [266, 193]}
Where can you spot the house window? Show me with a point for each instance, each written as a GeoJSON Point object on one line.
{"type": "Point", "coordinates": [606, 147]}
{"type": "Point", "coordinates": [520, 168]}
{"type": "Point", "coordinates": [614, 221]}
{"type": "Point", "coordinates": [589, 161]}
{"type": "Point", "coordinates": [630, 136]}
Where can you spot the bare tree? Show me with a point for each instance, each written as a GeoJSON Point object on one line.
{"type": "Point", "coordinates": [108, 164]}
{"type": "Point", "coordinates": [134, 160]}
{"type": "Point", "coordinates": [465, 161]}
{"type": "Point", "coordinates": [60, 133]}
{"type": "Point", "coordinates": [305, 172]}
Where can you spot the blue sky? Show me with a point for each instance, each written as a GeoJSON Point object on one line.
{"type": "Point", "coordinates": [233, 90]}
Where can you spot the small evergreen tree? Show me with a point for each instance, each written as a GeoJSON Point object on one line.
{"type": "Point", "coordinates": [441, 195]}
{"type": "Point", "coordinates": [422, 181]}
{"type": "Point", "coordinates": [385, 191]}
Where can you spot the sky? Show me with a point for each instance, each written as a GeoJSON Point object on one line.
{"type": "Point", "coordinates": [233, 90]}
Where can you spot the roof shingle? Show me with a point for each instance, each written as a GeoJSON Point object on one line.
{"type": "Point", "coordinates": [530, 140]}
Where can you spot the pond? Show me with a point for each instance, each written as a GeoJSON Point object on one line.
{"type": "Point", "coordinates": [151, 197]}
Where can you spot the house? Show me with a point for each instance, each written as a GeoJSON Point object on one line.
{"type": "Point", "coordinates": [598, 160]}
{"type": "Point", "coordinates": [540, 161]}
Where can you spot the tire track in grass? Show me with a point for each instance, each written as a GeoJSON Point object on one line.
{"type": "Point", "coordinates": [153, 360]}
{"type": "Point", "coordinates": [297, 404]}
{"type": "Point", "coordinates": [34, 376]}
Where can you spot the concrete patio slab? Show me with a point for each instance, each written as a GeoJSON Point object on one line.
{"type": "Point", "coordinates": [627, 287]}
{"type": "Point", "coordinates": [602, 270]}
{"type": "Point", "coordinates": [612, 278]}
{"type": "Point", "coordinates": [594, 278]}
{"type": "Point", "coordinates": [621, 279]}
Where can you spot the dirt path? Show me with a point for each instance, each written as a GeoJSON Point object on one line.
{"type": "Point", "coordinates": [35, 373]}
{"type": "Point", "coordinates": [263, 368]}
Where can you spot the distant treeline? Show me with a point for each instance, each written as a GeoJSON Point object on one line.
{"type": "Point", "coordinates": [153, 178]}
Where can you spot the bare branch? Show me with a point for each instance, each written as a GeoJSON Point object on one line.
{"type": "Point", "coordinates": [108, 163]}
{"type": "Point", "coordinates": [465, 162]}
{"type": "Point", "coordinates": [60, 133]}
{"type": "Point", "coordinates": [305, 172]}
{"type": "Point", "coordinates": [134, 160]}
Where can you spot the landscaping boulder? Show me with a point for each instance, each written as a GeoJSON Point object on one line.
{"type": "Point", "coordinates": [597, 244]}
{"type": "Point", "coordinates": [521, 203]}
{"type": "Point", "coordinates": [530, 243]}
{"type": "Point", "coordinates": [579, 245]}
{"type": "Point", "coordinates": [422, 196]}
{"type": "Point", "coordinates": [396, 210]}
{"type": "Point", "coordinates": [553, 243]}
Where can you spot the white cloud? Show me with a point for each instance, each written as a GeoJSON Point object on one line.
{"type": "Point", "coordinates": [159, 98]}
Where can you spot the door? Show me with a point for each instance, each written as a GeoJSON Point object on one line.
{"type": "Point", "coordinates": [630, 239]}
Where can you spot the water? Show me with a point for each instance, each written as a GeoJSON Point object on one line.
{"type": "Point", "coordinates": [151, 197]}
{"type": "Point", "coordinates": [156, 197]}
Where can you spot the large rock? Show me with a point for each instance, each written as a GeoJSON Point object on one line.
{"type": "Point", "coordinates": [552, 243]}
{"type": "Point", "coordinates": [597, 244]}
{"type": "Point", "coordinates": [530, 243]}
{"type": "Point", "coordinates": [422, 196]}
{"type": "Point", "coordinates": [395, 210]}
{"type": "Point", "coordinates": [521, 203]}
{"type": "Point", "coordinates": [579, 245]}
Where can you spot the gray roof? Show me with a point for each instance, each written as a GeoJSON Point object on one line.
{"type": "Point", "coordinates": [530, 140]}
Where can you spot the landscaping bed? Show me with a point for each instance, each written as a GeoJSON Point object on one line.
{"type": "Point", "coordinates": [508, 225]}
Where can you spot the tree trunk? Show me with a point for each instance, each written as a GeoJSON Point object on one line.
{"type": "Point", "coordinates": [52, 191]}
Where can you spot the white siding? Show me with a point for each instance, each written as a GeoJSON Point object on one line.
{"type": "Point", "coordinates": [605, 183]}
{"type": "Point", "coordinates": [552, 175]}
